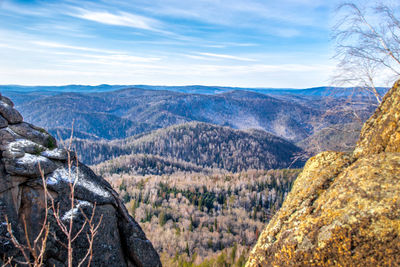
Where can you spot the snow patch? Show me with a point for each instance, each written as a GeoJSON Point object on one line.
{"type": "Point", "coordinates": [21, 143]}
{"type": "Point", "coordinates": [29, 159]}
{"type": "Point", "coordinates": [57, 153]}
{"type": "Point", "coordinates": [62, 174]}
{"type": "Point", "coordinates": [73, 212]}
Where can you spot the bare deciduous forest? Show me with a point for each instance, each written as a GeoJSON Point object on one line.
{"type": "Point", "coordinates": [203, 219]}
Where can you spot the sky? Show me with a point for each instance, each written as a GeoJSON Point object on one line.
{"type": "Point", "coordinates": [244, 43]}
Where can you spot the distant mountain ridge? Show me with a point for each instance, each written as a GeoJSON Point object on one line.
{"type": "Point", "coordinates": [192, 89]}
{"type": "Point", "coordinates": [118, 111]}
{"type": "Point", "coordinates": [126, 112]}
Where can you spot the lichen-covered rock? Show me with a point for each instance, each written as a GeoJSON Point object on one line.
{"type": "Point", "coordinates": [27, 152]}
{"type": "Point", "coordinates": [344, 209]}
{"type": "Point", "coordinates": [382, 131]}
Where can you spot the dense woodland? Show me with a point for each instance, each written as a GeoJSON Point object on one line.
{"type": "Point", "coordinates": [143, 164]}
{"type": "Point", "coordinates": [201, 144]}
{"type": "Point", "coordinates": [196, 219]}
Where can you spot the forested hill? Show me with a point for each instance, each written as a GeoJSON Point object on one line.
{"type": "Point", "coordinates": [142, 164]}
{"type": "Point", "coordinates": [202, 144]}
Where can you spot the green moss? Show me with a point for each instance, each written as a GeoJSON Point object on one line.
{"type": "Point", "coordinates": [42, 130]}
{"type": "Point", "coordinates": [38, 150]}
{"type": "Point", "coordinates": [51, 143]}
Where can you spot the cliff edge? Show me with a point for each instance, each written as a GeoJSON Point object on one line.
{"type": "Point", "coordinates": [24, 150]}
{"type": "Point", "coordinates": [344, 208]}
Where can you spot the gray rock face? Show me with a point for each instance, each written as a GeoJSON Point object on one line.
{"type": "Point", "coordinates": [9, 113]}
{"type": "Point", "coordinates": [58, 154]}
{"type": "Point", "coordinates": [29, 165]}
{"type": "Point", "coordinates": [35, 134]}
{"type": "Point", "coordinates": [6, 100]}
{"type": "Point", "coordinates": [3, 122]}
{"type": "Point", "coordinates": [27, 149]}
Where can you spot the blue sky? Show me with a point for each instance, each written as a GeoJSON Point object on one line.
{"type": "Point", "coordinates": [247, 43]}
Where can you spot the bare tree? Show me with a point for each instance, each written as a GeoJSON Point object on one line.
{"type": "Point", "coordinates": [33, 251]}
{"type": "Point", "coordinates": [367, 46]}
{"type": "Point", "coordinates": [367, 42]}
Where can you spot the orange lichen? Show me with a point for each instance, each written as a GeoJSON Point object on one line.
{"type": "Point", "coordinates": [344, 209]}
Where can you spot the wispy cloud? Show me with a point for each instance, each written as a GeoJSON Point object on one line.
{"type": "Point", "coordinates": [224, 56]}
{"type": "Point", "coordinates": [250, 13]}
{"type": "Point", "coordinates": [199, 57]}
{"type": "Point", "coordinates": [72, 47]}
{"type": "Point", "coordinates": [113, 59]}
{"type": "Point", "coordinates": [120, 19]}
{"type": "Point", "coordinates": [231, 42]}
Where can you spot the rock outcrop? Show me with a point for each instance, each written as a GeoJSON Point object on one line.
{"type": "Point", "coordinates": [27, 153]}
{"type": "Point", "coordinates": [344, 208]}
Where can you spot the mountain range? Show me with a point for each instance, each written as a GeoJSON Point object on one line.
{"type": "Point", "coordinates": [290, 114]}
{"type": "Point", "coordinates": [192, 89]}
{"type": "Point", "coordinates": [108, 117]}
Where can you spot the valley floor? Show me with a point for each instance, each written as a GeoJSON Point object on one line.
{"type": "Point", "coordinates": [195, 219]}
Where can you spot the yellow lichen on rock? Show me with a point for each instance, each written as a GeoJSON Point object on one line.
{"type": "Point", "coordinates": [344, 209]}
{"type": "Point", "coordinates": [381, 133]}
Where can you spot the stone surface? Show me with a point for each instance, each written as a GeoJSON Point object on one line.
{"type": "Point", "coordinates": [382, 131]}
{"type": "Point", "coordinates": [29, 165]}
{"type": "Point", "coordinates": [58, 154]}
{"type": "Point", "coordinates": [17, 148]}
{"type": "Point", "coordinates": [344, 208]}
{"type": "Point", "coordinates": [24, 149]}
{"type": "Point", "coordinates": [7, 136]}
{"type": "Point", "coordinates": [3, 122]}
{"type": "Point", "coordinates": [35, 134]}
{"type": "Point", "coordinates": [9, 113]}
{"type": "Point", "coordinates": [7, 101]}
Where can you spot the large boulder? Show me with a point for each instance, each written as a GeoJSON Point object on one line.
{"type": "Point", "coordinates": [29, 156]}
{"type": "Point", "coordinates": [344, 208]}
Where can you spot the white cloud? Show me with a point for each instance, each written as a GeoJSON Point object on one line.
{"type": "Point", "coordinates": [224, 56]}
{"type": "Point", "coordinates": [120, 19]}
{"type": "Point", "coordinates": [212, 42]}
{"type": "Point", "coordinates": [199, 57]}
{"type": "Point", "coordinates": [117, 59]}
{"type": "Point", "coordinates": [248, 13]}
{"type": "Point", "coordinates": [172, 73]}
{"type": "Point", "coordinates": [65, 46]}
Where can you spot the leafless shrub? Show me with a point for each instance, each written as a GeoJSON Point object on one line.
{"type": "Point", "coordinates": [33, 251]}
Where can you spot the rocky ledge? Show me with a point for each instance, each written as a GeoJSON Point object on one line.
{"type": "Point", "coordinates": [27, 153]}
{"type": "Point", "coordinates": [344, 208]}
